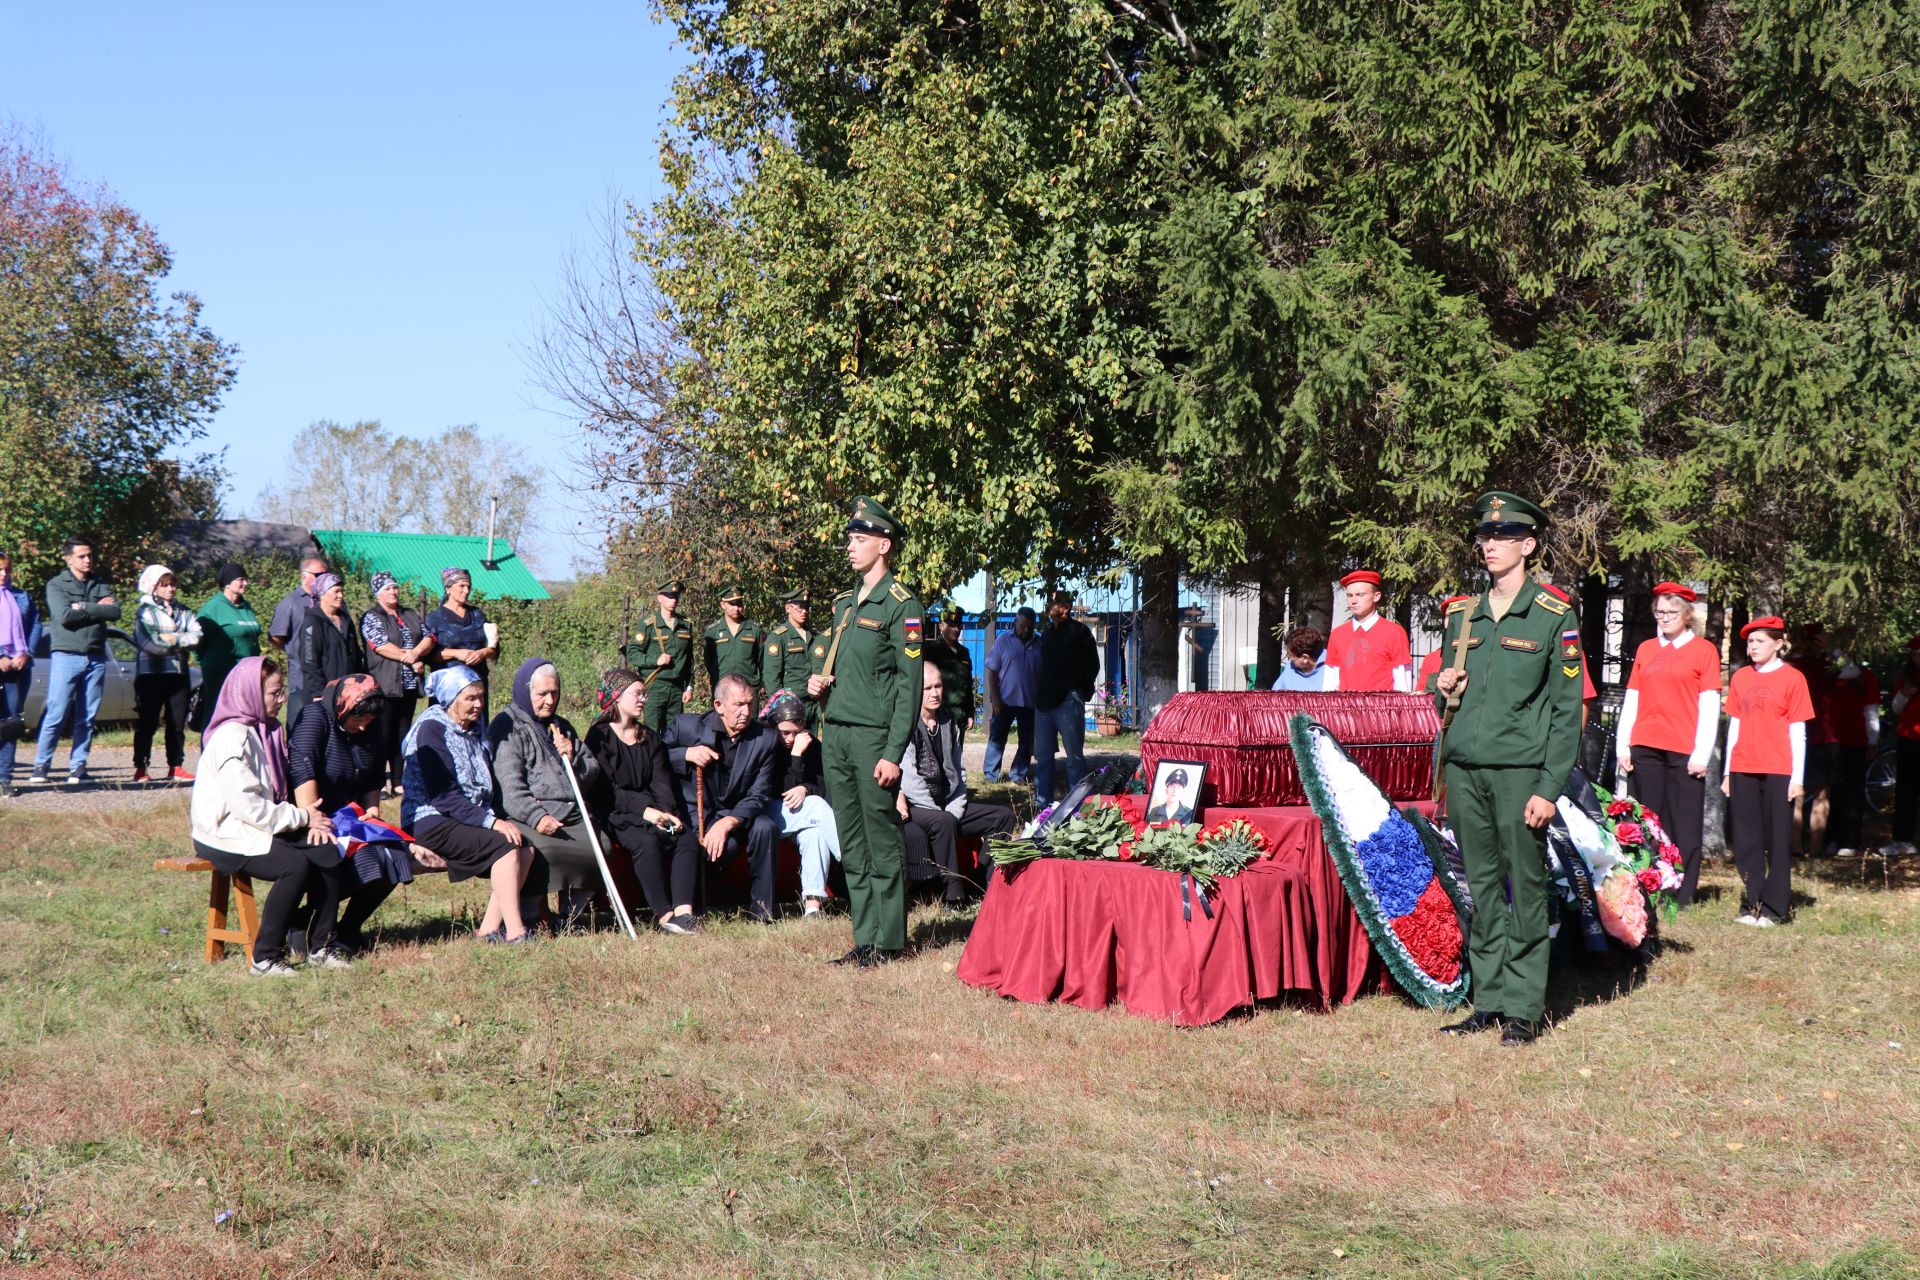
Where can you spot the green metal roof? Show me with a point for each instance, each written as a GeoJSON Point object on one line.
{"type": "Point", "coordinates": [416, 559]}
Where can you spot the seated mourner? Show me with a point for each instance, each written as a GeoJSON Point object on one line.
{"type": "Point", "coordinates": [533, 747]}
{"type": "Point", "coordinates": [724, 761]}
{"type": "Point", "coordinates": [934, 801]}
{"type": "Point", "coordinates": [333, 759]}
{"type": "Point", "coordinates": [800, 797]}
{"type": "Point", "coordinates": [638, 803]}
{"type": "Point", "coordinates": [449, 800]}
{"type": "Point", "coordinates": [244, 820]}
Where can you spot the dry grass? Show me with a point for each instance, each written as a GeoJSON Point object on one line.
{"type": "Point", "coordinates": [729, 1106]}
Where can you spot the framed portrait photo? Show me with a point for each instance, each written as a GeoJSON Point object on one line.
{"type": "Point", "coordinates": [1175, 794]}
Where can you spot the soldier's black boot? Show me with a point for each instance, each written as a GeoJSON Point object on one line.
{"type": "Point", "coordinates": [1478, 1020]}
{"type": "Point", "coordinates": [1519, 1034]}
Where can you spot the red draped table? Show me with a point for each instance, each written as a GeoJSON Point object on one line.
{"type": "Point", "coordinates": [1093, 933]}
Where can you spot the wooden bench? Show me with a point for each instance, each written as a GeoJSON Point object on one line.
{"type": "Point", "coordinates": [218, 934]}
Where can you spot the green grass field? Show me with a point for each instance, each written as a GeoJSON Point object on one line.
{"type": "Point", "coordinates": [729, 1105]}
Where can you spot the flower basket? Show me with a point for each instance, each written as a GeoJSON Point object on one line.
{"type": "Point", "coordinates": [1108, 725]}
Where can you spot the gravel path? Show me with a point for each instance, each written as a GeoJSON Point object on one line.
{"type": "Point", "coordinates": [111, 785]}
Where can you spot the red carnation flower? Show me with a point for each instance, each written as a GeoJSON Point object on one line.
{"type": "Point", "coordinates": [1648, 815]}
{"type": "Point", "coordinates": [1670, 854]}
{"type": "Point", "coordinates": [1649, 880]}
{"type": "Point", "coordinates": [1630, 833]}
{"type": "Point", "coordinates": [1617, 808]}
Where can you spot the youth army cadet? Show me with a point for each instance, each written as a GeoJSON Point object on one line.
{"type": "Point", "coordinates": [869, 687]}
{"type": "Point", "coordinates": [944, 650]}
{"type": "Point", "coordinates": [786, 663]}
{"type": "Point", "coordinates": [1512, 741]}
{"type": "Point", "coordinates": [662, 652]}
{"type": "Point", "coordinates": [732, 645]}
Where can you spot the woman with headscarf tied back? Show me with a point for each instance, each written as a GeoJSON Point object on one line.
{"type": "Point", "coordinates": [165, 634]}
{"type": "Point", "coordinates": [244, 820]}
{"type": "Point", "coordinates": [229, 631]}
{"type": "Point", "coordinates": [533, 747]}
{"type": "Point", "coordinates": [462, 631]}
{"type": "Point", "coordinates": [329, 642]}
{"type": "Point", "coordinates": [397, 646]}
{"type": "Point", "coordinates": [333, 760]}
{"type": "Point", "coordinates": [448, 805]}
{"type": "Point", "coordinates": [641, 802]}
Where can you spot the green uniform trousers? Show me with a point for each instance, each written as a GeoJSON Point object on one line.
{"type": "Point", "coordinates": [662, 704]}
{"type": "Point", "coordinates": [1507, 947]}
{"type": "Point", "coordinates": [872, 850]}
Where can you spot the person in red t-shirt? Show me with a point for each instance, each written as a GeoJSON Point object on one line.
{"type": "Point", "coordinates": [1668, 725]}
{"type": "Point", "coordinates": [1368, 652]}
{"type": "Point", "coordinates": [1853, 706]}
{"type": "Point", "coordinates": [1906, 738]}
{"type": "Point", "coordinates": [1768, 708]}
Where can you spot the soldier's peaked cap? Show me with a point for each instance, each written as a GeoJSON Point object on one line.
{"type": "Point", "coordinates": [1507, 515]}
{"type": "Point", "coordinates": [870, 517]}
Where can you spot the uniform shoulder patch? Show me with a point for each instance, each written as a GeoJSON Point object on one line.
{"type": "Point", "coordinates": [900, 594]}
{"type": "Point", "coordinates": [1551, 589]}
{"type": "Point", "coordinates": [1550, 602]}
{"type": "Point", "coordinates": [1464, 602]}
{"type": "Point", "coordinates": [842, 595]}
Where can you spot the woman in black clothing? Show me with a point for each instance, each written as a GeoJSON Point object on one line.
{"type": "Point", "coordinates": [330, 644]}
{"type": "Point", "coordinates": [397, 648]}
{"type": "Point", "coordinates": [333, 760]}
{"type": "Point", "coordinates": [637, 792]}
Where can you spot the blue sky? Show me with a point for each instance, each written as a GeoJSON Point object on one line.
{"type": "Point", "coordinates": [372, 201]}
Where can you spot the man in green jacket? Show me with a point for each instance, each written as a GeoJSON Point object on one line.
{"type": "Point", "coordinates": [784, 663]}
{"type": "Point", "coordinates": [662, 652]}
{"type": "Point", "coordinates": [946, 650]}
{"type": "Point", "coordinates": [733, 644]}
{"type": "Point", "coordinates": [1507, 751]}
{"type": "Point", "coordinates": [79, 607]}
{"type": "Point", "coordinates": [870, 689]}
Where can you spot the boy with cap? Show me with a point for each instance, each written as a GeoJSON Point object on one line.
{"type": "Point", "coordinates": [1512, 735]}
{"type": "Point", "coordinates": [662, 651]}
{"type": "Point", "coordinates": [733, 644]}
{"type": "Point", "coordinates": [784, 660]}
{"type": "Point", "coordinates": [1369, 652]}
{"type": "Point", "coordinates": [869, 686]}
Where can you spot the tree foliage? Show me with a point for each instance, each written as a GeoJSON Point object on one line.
{"type": "Point", "coordinates": [103, 377]}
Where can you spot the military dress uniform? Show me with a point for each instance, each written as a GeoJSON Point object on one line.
{"type": "Point", "coordinates": [733, 653]}
{"type": "Point", "coordinates": [785, 662]}
{"type": "Point", "coordinates": [873, 656]}
{"type": "Point", "coordinates": [956, 669]}
{"type": "Point", "coordinates": [665, 685]}
{"type": "Point", "coordinates": [1515, 735]}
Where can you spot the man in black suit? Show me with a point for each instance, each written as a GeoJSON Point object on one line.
{"type": "Point", "coordinates": [734, 755]}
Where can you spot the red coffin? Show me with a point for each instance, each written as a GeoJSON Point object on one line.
{"type": "Point", "coordinates": [1242, 739]}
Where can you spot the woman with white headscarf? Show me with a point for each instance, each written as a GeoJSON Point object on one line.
{"type": "Point", "coordinates": [448, 806]}
{"type": "Point", "coordinates": [165, 632]}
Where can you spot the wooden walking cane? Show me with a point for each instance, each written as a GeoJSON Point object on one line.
{"type": "Point", "coordinates": [1453, 699]}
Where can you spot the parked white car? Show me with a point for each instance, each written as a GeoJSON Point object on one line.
{"type": "Point", "coordinates": [116, 696]}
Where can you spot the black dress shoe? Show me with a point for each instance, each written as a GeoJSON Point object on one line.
{"type": "Point", "coordinates": [860, 955]}
{"type": "Point", "coordinates": [876, 957]}
{"type": "Point", "coordinates": [1478, 1020]}
{"type": "Point", "coordinates": [1519, 1034]}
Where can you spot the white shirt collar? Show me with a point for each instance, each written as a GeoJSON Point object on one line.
{"type": "Point", "coordinates": [1372, 618]}
{"type": "Point", "coordinates": [1769, 668]}
{"type": "Point", "coordinates": [1679, 642]}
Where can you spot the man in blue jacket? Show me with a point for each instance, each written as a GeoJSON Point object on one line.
{"type": "Point", "coordinates": [79, 607]}
{"type": "Point", "coordinates": [733, 786]}
{"type": "Point", "coordinates": [20, 633]}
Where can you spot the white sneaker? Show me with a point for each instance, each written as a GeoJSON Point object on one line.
{"type": "Point", "coordinates": [811, 910]}
{"type": "Point", "coordinates": [272, 969]}
{"type": "Point", "coordinates": [1846, 851]}
{"type": "Point", "coordinates": [329, 958]}
{"type": "Point", "coordinates": [1746, 917]}
{"type": "Point", "coordinates": [1765, 922]}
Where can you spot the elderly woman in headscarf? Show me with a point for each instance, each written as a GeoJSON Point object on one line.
{"type": "Point", "coordinates": [165, 633]}
{"type": "Point", "coordinates": [641, 801]}
{"type": "Point", "coordinates": [397, 646]}
{"type": "Point", "coordinates": [461, 628]}
{"type": "Point", "coordinates": [449, 801]}
{"type": "Point", "coordinates": [800, 797]}
{"type": "Point", "coordinates": [533, 748]}
{"type": "Point", "coordinates": [244, 819]}
{"type": "Point", "coordinates": [329, 642]}
{"type": "Point", "coordinates": [333, 759]}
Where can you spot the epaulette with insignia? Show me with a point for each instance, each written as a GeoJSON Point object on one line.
{"type": "Point", "coordinates": [1551, 603]}
{"type": "Point", "coordinates": [1461, 603]}
{"type": "Point", "coordinates": [900, 594]}
{"type": "Point", "coordinates": [1551, 588]}
{"type": "Point", "coordinates": [842, 595]}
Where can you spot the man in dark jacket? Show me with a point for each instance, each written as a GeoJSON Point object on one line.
{"type": "Point", "coordinates": [724, 762]}
{"type": "Point", "coordinates": [79, 607]}
{"type": "Point", "coordinates": [1069, 665]}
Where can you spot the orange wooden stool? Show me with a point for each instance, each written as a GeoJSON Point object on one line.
{"type": "Point", "coordinates": [218, 935]}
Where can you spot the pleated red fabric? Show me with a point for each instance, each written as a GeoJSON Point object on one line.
{"type": "Point", "coordinates": [1242, 739]}
{"type": "Point", "coordinates": [1098, 933]}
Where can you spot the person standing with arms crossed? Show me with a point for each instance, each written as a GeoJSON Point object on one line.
{"type": "Point", "coordinates": [869, 687]}
{"type": "Point", "coordinates": [662, 652]}
{"type": "Point", "coordinates": [1511, 742]}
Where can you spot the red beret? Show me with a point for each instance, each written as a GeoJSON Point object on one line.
{"type": "Point", "coordinates": [1768, 623]}
{"type": "Point", "coordinates": [1361, 575]}
{"type": "Point", "coordinates": [1680, 589]}
{"type": "Point", "coordinates": [1453, 600]}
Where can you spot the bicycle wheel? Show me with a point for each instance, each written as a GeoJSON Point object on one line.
{"type": "Point", "coordinates": [1881, 777]}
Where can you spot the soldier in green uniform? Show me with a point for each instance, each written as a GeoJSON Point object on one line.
{"type": "Point", "coordinates": [944, 650]}
{"type": "Point", "coordinates": [732, 645]}
{"type": "Point", "coordinates": [785, 663]}
{"type": "Point", "coordinates": [1507, 752]}
{"type": "Point", "coordinates": [869, 687]}
{"type": "Point", "coordinates": [662, 652]}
